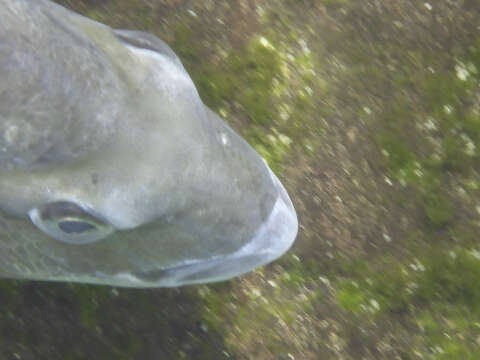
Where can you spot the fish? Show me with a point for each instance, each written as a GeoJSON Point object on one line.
{"type": "Point", "coordinates": [113, 171]}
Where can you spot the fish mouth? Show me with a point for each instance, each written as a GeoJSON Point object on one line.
{"type": "Point", "coordinates": [272, 239]}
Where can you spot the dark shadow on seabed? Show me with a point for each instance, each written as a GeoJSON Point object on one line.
{"type": "Point", "coordinates": [44, 320]}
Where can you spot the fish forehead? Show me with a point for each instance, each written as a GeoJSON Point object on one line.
{"type": "Point", "coordinates": [43, 115]}
{"type": "Point", "coordinates": [98, 89]}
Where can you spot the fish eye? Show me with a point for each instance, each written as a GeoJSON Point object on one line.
{"type": "Point", "coordinates": [68, 222]}
{"type": "Point", "coordinates": [74, 226]}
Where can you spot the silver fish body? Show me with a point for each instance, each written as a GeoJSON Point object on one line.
{"type": "Point", "coordinates": [113, 171]}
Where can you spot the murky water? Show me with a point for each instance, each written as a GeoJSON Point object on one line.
{"type": "Point", "coordinates": [369, 113]}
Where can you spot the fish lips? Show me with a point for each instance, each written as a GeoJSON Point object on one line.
{"type": "Point", "coordinates": [272, 239]}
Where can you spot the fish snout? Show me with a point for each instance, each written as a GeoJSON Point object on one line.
{"type": "Point", "coordinates": [271, 240]}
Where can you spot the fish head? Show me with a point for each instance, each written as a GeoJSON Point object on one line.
{"type": "Point", "coordinates": [173, 197]}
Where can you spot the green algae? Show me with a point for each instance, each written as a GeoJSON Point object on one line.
{"type": "Point", "coordinates": [419, 155]}
{"type": "Point", "coordinates": [431, 289]}
{"type": "Point", "coordinates": [112, 13]}
{"type": "Point", "coordinates": [89, 299]}
{"type": "Point", "coordinates": [436, 293]}
{"type": "Point", "coordinates": [263, 308]}
{"type": "Point", "coordinates": [446, 276]}
{"type": "Point", "coordinates": [254, 83]}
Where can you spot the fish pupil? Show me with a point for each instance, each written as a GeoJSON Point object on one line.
{"type": "Point", "coordinates": [75, 227]}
